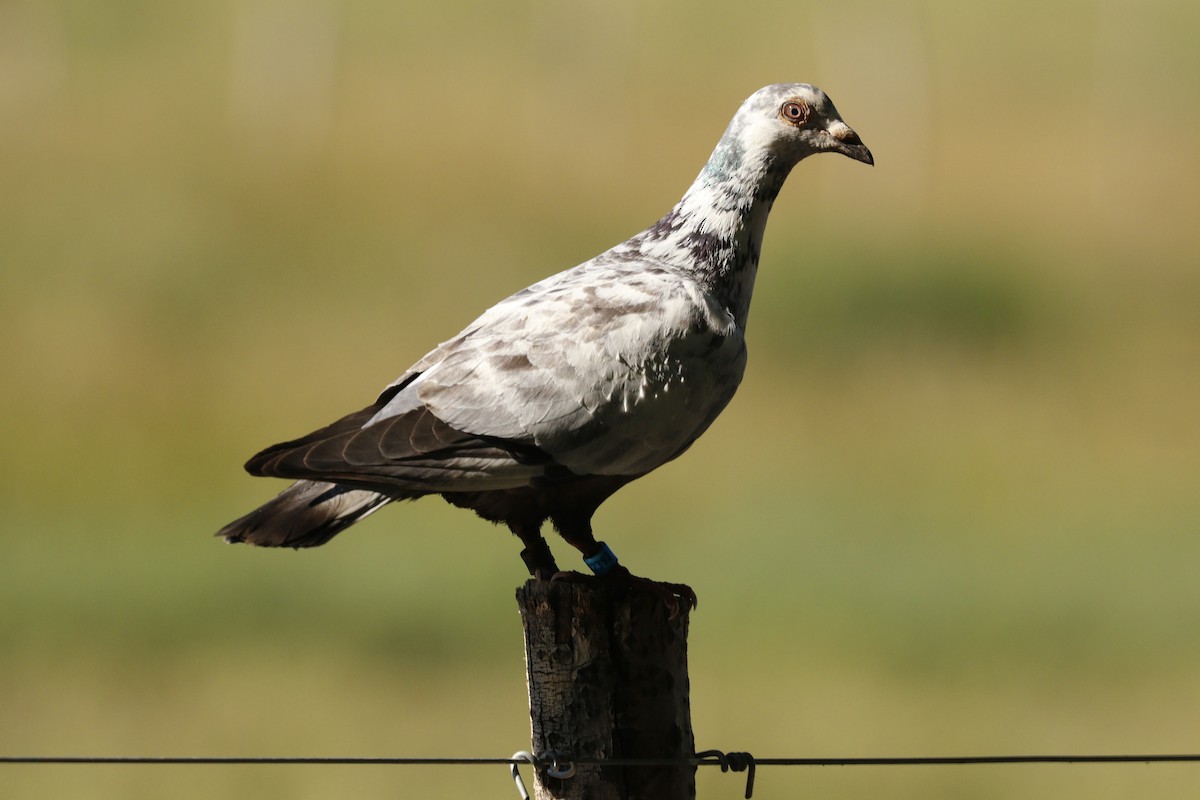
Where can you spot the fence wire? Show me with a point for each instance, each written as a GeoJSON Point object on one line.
{"type": "Point", "coordinates": [563, 766]}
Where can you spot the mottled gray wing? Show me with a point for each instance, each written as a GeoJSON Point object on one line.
{"type": "Point", "coordinates": [581, 367]}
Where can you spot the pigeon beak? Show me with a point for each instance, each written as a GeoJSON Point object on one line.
{"type": "Point", "coordinates": [847, 143]}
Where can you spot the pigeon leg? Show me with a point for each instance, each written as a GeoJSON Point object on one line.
{"type": "Point", "coordinates": [536, 555]}
{"type": "Point", "coordinates": [578, 533]}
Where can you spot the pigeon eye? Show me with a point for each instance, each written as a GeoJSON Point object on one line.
{"type": "Point", "coordinates": [794, 111]}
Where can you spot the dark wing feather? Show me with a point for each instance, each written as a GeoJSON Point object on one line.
{"type": "Point", "coordinates": [413, 452]}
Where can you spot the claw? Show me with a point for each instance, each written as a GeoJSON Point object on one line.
{"type": "Point", "coordinates": [570, 576]}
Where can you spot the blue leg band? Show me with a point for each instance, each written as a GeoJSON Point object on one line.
{"type": "Point", "coordinates": [603, 562]}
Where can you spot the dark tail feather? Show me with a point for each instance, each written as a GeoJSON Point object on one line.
{"type": "Point", "coordinates": [306, 514]}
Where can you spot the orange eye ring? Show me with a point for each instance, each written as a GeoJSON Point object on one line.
{"type": "Point", "coordinates": [795, 112]}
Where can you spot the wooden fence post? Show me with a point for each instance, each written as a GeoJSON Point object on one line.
{"type": "Point", "coordinates": [608, 678]}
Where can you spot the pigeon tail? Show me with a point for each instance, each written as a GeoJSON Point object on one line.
{"type": "Point", "coordinates": [306, 514]}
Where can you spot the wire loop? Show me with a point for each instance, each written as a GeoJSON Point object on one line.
{"type": "Point", "coordinates": [557, 765]}
{"type": "Point", "coordinates": [521, 755]}
{"type": "Point", "coordinates": [732, 762]}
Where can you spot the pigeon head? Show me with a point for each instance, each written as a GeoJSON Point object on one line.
{"type": "Point", "coordinates": [791, 121]}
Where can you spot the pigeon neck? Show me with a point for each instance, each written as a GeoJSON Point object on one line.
{"type": "Point", "coordinates": [717, 228]}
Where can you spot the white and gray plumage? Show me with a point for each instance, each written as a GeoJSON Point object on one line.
{"type": "Point", "coordinates": [562, 393]}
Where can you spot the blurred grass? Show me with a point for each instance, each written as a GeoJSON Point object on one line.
{"type": "Point", "coordinates": [953, 509]}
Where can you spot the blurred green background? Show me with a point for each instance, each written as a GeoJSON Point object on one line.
{"type": "Point", "coordinates": [954, 509]}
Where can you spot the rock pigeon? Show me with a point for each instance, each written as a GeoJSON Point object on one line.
{"type": "Point", "coordinates": [561, 394]}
